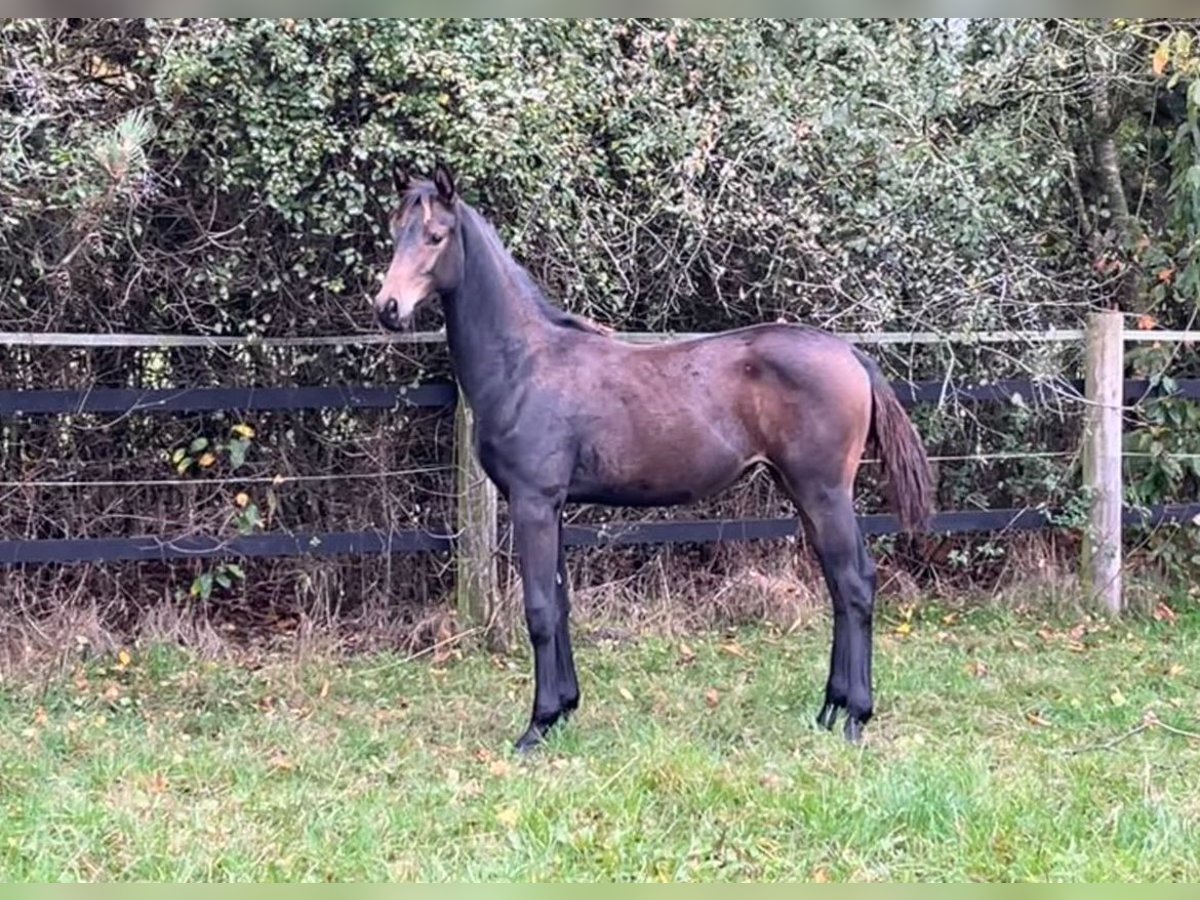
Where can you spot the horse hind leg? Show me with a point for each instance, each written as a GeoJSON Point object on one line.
{"type": "Point", "coordinates": [568, 680]}
{"type": "Point", "coordinates": [827, 511]}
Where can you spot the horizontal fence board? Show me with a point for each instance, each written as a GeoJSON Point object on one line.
{"type": "Point", "coordinates": [443, 393]}
{"type": "Point", "coordinates": [364, 338]}
{"type": "Point", "coordinates": [150, 548]}
{"type": "Point", "coordinates": [368, 338]}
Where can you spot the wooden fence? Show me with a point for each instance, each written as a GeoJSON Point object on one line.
{"type": "Point", "coordinates": [473, 538]}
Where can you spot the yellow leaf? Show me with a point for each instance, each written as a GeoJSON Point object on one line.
{"type": "Point", "coordinates": [904, 628]}
{"type": "Point", "coordinates": [624, 692]}
{"type": "Point", "coordinates": [508, 817]}
{"type": "Point", "coordinates": [282, 762]}
{"type": "Point", "coordinates": [124, 658]}
{"type": "Point", "coordinates": [243, 430]}
{"type": "Point", "coordinates": [242, 500]}
{"type": "Point", "coordinates": [1175, 670]}
{"type": "Point", "coordinates": [1161, 57]}
{"type": "Point", "coordinates": [1117, 698]}
{"type": "Point", "coordinates": [207, 460]}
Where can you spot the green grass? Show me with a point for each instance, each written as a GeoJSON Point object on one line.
{"type": "Point", "coordinates": [372, 768]}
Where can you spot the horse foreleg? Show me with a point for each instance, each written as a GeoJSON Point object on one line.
{"type": "Point", "coordinates": [535, 523]}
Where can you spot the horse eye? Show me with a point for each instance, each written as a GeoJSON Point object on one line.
{"type": "Point", "coordinates": [436, 237]}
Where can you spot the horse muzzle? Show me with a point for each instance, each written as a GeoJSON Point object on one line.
{"type": "Point", "coordinates": [391, 316]}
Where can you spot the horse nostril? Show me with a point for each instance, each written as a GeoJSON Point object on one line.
{"type": "Point", "coordinates": [392, 310]}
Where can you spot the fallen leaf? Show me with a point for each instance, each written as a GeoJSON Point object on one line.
{"type": "Point", "coordinates": [508, 817]}
{"type": "Point", "coordinates": [40, 717]}
{"type": "Point", "coordinates": [686, 654]}
{"type": "Point", "coordinates": [123, 658]}
{"type": "Point", "coordinates": [243, 430]}
{"type": "Point", "coordinates": [1019, 644]}
{"type": "Point", "coordinates": [977, 669]}
{"type": "Point", "coordinates": [1117, 698]}
{"type": "Point", "coordinates": [904, 628]}
{"type": "Point", "coordinates": [207, 461]}
{"type": "Point", "coordinates": [625, 695]}
{"type": "Point", "coordinates": [1175, 670]}
{"type": "Point", "coordinates": [282, 762]}
{"type": "Point", "coordinates": [112, 693]}
{"type": "Point", "coordinates": [733, 648]}
{"type": "Point", "coordinates": [772, 782]}
{"type": "Point", "coordinates": [950, 618]}
{"type": "Point", "coordinates": [324, 689]}
{"type": "Point", "coordinates": [712, 697]}
{"type": "Point", "coordinates": [242, 500]}
{"type": "Point", "coordinates": [157, 783]}
{"type": "Point", "coordinates": [1164, 613]}
{"type": "Point", "coordinates": [820, 876]}
{"type": "Point", "coordinates": [1047, 635]}
{"type": "Point", "coordinates": [1076, 646]}
{"type": "Point", "coordinates": [1036, 718]}
{"type": "Point", "coordinates": [500, 768]}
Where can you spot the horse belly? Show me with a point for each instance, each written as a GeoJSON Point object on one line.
{"type": "Point", "coordinates": [655, 466]}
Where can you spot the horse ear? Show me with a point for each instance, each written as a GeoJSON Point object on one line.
{"type": "Point", "coordinates": [401, 179]}
{"type": "Point", "coordinates": [443, 180]}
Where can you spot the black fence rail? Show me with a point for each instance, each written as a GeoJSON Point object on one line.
{"type": "Point", "coordinates": [124, 401]}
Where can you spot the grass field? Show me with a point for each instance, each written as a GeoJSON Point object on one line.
{"type": "Point", "coordinates": [693, 760]}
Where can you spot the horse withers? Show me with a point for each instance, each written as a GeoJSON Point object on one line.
{"type": "Point", "coordinates": [565, 412]}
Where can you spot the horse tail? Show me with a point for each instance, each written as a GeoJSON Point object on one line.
{"type": "Point", "coordinates": [901, 452]}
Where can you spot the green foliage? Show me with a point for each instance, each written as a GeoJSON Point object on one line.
{"type": "Point", "coordinates": [658, 173]}
{"type": "Point", "coordinates": [234, 176]}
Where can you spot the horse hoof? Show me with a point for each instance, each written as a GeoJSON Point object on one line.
{"type": "Point", "coordinates": [854, 730]}
{"type": "Point", "coordinates": [827, 717]}
{"type": "Point", "coordinates": [530, 741]}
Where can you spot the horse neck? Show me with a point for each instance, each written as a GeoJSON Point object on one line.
{"type": "Point", "coordinates": [493, 320]}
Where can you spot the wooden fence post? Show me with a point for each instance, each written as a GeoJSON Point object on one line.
{"type": "Point", "coordinates": [1102, 459]}
{"type": "Point", "coordinates": [475, 555]}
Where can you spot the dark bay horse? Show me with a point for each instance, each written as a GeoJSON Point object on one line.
{"type": "Point", "coordinates": [565, 412]}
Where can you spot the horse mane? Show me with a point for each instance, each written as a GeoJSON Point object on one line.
{"type": "Point", "coordinates": [533, 291]}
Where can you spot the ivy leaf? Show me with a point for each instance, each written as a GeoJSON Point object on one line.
{"type": "Point", "coordinates": [237, 453]}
